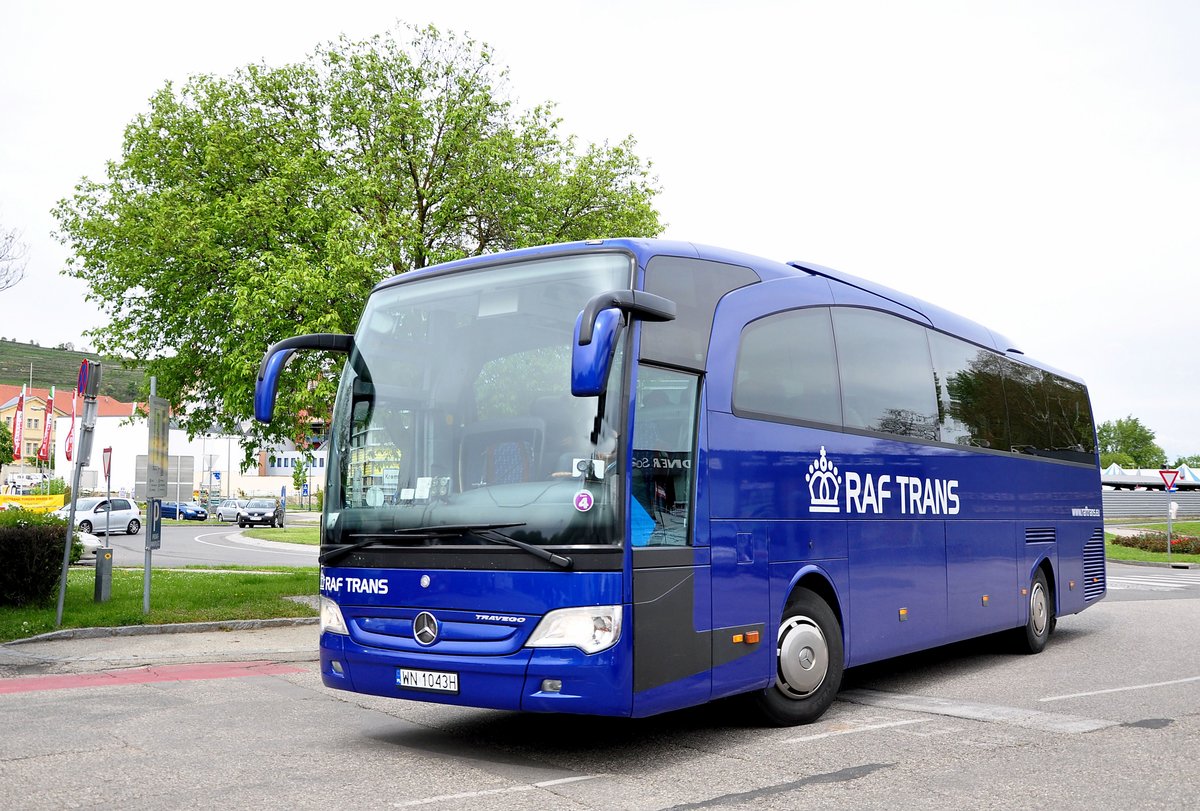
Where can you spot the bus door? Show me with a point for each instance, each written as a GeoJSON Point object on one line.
{"type": "Point", "coordinates": [672, 656]}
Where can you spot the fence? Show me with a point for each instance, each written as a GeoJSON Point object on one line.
{"type": "Point", "coordinates": [1149, 504]}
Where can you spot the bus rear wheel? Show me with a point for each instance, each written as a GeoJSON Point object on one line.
{"type": "Point", "coordinates": [809, 661]}
{"type": "Point", "coordinates": [1032, 638]}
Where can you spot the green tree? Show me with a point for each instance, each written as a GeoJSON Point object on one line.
{"type": "Point", "coordinates": [6, 445]}
{"type": "Point", "coordinates": [1122, 459]}
{"type": "Point", "coordinates": [248, 209]}
{"type": "Point", "coordinates": [1192, 461]}
{"type": "Point", "coordinates": [1130, 437]}
{"type": "Point", "coordinates": [300, 474]}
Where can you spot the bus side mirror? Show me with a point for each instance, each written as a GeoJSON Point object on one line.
{"type": "Point", "coordinates": [592, 362]}
{"type": "Point", "coordinates": [277, 356]}
{"type": "Point", "coordinates": [596, 331]}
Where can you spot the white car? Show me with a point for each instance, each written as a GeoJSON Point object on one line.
{"type": "Point", "coordinates": [90, 544]}
{"type": "Point", "coordinates": [93, 515]}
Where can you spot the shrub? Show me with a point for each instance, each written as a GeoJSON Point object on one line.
{"type": "Point", "coordinates": [1157, 542]}
{"type": "Point", "coordinates": [31, 547]}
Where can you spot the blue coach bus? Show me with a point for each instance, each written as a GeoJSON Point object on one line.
{"type": "Point", "coordinates": [622, 477]}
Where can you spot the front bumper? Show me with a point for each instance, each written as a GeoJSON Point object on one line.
{"type": "Point", "coordinates": [590, 683]}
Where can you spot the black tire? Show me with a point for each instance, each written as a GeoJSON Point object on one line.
{"type": "Point", "coordinates": [809, 660]}
{"type": "Point", "coordinates": [1033, 636]}
{"type": "Point", "coordinates": [85, 526]}
{"type": "Point", "coordinates": [134, 526]}
{"type": "Point", "coordinates": [241, 525]}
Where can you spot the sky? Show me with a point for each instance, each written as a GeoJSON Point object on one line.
{"type": "Point", "coordinates": [1032, 165]}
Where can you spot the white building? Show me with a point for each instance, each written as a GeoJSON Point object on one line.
{"type": "Point", "coordinates": [209, 462]}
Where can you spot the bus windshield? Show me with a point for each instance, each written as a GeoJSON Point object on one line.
{"type": "Point", "coordinates": [455, 410]}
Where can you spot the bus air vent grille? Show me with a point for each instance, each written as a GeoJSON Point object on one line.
{"type": "Point", "coordinates": [1039, 535]}
{"type": "Point", "coordinates": [1093, 567]}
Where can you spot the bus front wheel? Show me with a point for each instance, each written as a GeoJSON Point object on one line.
{"type": "Point", "coordinates": [1032, 638]}
{"type": "Point", "coordinates": [809, 661]}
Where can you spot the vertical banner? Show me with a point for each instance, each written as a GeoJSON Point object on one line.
{"type": "Point", "coordinates": [19, 426]}
{"type": "Point", "coordinates": [43, 453]}
{"type": "Point", "coordinates": [71, 433]}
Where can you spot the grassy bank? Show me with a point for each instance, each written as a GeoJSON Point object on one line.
{"type": "Point", "coordinates": [176, 595]}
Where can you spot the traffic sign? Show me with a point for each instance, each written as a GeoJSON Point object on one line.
{"type": "Point", "coordinates": [107, 456]}
{"type": "Point", "coordinates": [1169, 477]}
{"type": "Point", "coordinates": [216, 474]}
{"type": "Point", "coordinates": [304, 489]}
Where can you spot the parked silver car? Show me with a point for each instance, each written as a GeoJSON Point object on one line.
{"type": "Point", "coordinates": [97, 515]}
{"type": "Point", "coordinates": [228, 509]}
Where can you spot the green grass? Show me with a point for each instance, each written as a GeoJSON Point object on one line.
{"type": "Point", "coordinates": [307, 534]}
{"type": "Point", "coordinates": [176, 595]}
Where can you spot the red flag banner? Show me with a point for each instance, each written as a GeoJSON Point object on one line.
{"type": "Point", "coordinates": [19, 426]}
{"type": "Point", "coordinates": [43, 453]}
{"type": "Point", "coordinates": [70, 443]}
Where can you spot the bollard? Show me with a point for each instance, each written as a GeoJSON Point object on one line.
{"type": "Point", "coordinates": [104, 558]}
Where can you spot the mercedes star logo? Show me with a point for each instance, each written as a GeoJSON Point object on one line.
{"type": "Point", "coordinates": [425, 628]}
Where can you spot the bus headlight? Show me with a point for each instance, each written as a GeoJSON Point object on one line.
{"type": "Point", "coordinates": [331, 617]}
{"type": "Point", "coordinates": [589, 628]}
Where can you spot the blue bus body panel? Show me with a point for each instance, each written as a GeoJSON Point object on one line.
{"type": "Point", "coordinates": [937, 542]}
{"type": "Point", "coordinates": [485, 618]}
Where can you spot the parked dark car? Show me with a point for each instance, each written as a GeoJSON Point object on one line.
{"type": "Point", "coordinates": [265, 511]}
{"type": "Point", "coordinates": [184, 511]}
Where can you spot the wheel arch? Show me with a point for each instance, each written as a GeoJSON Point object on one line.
{"type": "Point", "coordinates": [819, 582]}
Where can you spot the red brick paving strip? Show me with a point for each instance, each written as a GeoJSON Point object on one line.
{"type": "Point", "coordinates": [145, 675]}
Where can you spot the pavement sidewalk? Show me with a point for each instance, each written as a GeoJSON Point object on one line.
{"type": "Point", "coordinates": [88, 650]}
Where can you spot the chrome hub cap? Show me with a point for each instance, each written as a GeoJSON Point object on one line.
{"type": "Point", "coordinates": [1038, 611]}
{"type": "Point", "coordinates": [803, 657]}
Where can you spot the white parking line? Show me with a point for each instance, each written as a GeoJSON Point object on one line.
{"type": "Point", "coordinates": [466, 795]}
{"type": "Point", "coordinates": [850, 730]}
{"type": "Point", "coordinates": [1014, 716]}
{"type": "Point", "coordinates": [1122, 689]}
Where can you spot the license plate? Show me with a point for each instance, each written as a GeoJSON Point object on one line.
{"type": "Point", "coordinates": [434, 680]}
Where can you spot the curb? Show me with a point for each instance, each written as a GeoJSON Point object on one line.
{"type": "Point", "coordinates": [170, 628]}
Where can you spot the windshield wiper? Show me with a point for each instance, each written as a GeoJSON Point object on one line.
{"type": "Point", "coordinates": [489, 533]}
{"type": "Point", "coordinates": [485, 531]}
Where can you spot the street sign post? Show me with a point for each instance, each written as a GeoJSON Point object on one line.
{"type": "Point", "coordinates": [89, 386]}
{"type": "Point", "coordinates": [1169, 478]}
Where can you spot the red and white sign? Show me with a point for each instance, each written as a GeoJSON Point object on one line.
{"type": "Point", "coordinates": [1169, 477]}
{"type": "Point", "coordinates": [107, 463]}
{"type": "Point", "coordinates": [19, 426]}
{"type": "Point", "coordinates": [71, 434]}
{"type": "Point", "coordinates": [43, 453]}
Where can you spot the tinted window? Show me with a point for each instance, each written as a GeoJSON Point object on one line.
{"type": "Point", "coordinates": [787, 368]}
{"type": "Point", "coordinates": [695, 286]}
{"type": "Point", "coordinates": [886, 373]}
{"type": "Point", "coordinates": [1048, 415]}
{"type": "Point", "coordinates": [970, 388]}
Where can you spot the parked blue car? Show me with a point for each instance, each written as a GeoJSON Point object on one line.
{"type": "Point", "coordinates": [187, 512]}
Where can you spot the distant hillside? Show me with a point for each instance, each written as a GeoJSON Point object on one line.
{"type": "Point", "coordinates": [60, 368]}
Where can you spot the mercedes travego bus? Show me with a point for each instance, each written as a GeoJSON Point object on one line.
{"type": "Point", "coordinates": [621, 477]}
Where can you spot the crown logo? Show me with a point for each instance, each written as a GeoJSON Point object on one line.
{"type": "Point", "coordinates": [824, 483]}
